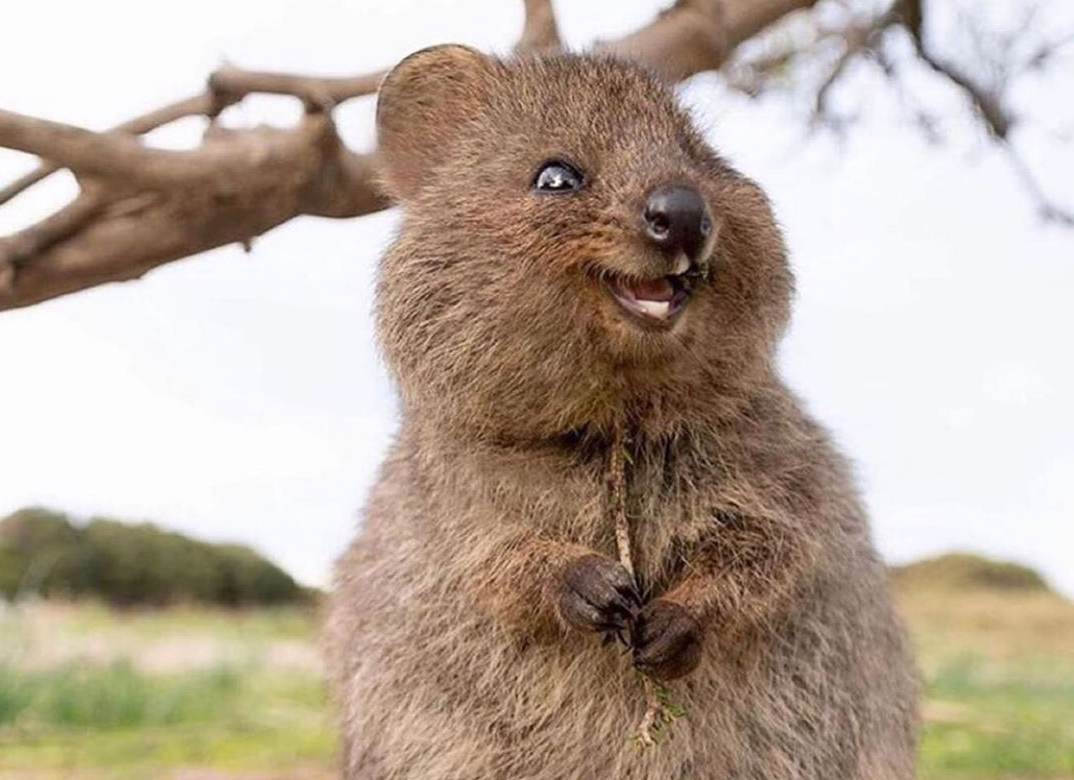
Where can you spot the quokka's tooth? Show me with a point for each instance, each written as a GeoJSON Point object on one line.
{"type": "Point", "coordinates": [655, 308]}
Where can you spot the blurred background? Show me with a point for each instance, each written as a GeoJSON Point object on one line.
{"type": "Point", "coordinates": [238, 398]}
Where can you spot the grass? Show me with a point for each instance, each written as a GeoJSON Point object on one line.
{"type": "Point", "coordinates": [999, 722]}
{"type": "Point", "coordinates": [147, 694]}
{"type": "Point", "coordinates": [92, 694]}
{"type": "Point", "coordinates": [999, 671]}
{"type": "Point", "coordinates": [114, 696]}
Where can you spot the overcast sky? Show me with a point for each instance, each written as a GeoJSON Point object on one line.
{"type": "Point", "coordinates": [240, 397]}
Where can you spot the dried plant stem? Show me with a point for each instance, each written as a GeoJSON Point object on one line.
{"type": "Point", "coordinates": [657, 711]}
{"type": "Point", "coordinates": [618, 502]}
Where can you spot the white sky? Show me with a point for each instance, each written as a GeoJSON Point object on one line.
{"type": "Point", "coordinates": [241, 397]}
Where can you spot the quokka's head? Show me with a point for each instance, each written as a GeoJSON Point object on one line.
{"type": "Point", "coordinates": [571, 249]}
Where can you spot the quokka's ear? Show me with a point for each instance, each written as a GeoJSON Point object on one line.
{"type": "Point", "coordinates": [423, 103]}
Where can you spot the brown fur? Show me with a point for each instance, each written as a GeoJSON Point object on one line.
{"type": "Point", "coordinates": [450, 656]}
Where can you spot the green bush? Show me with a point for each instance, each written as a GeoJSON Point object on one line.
{"type": "Point", "coordinates": [40, 552]}
{"type": "Point", "coordinates": [43, 552]}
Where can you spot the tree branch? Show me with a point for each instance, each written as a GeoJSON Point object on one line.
{"type": "Point", "coordinates": [16, 249]}
{"type": "Point", "coordinates": [198, 105]}
{"type": "Point", "coordinates": [1048, 210]}
{"type": "Point", "coordinates": [857, 40]}
{"type": "Point", "coordinates": [227, 86]}
{"type": "Point", "coordinates": [142, 207]}
{"type": "Point", "coordinates": [98, 154]}
{"type": "Point", "coordinates": [236, 186]}
{"type": "Point", "coordinates": [988, 103]}
{"type": "Point", "coordinates": [865, 38]}
{"type": "Point", "coordinates": [152, 206]}
{"type": "Point", "coordinates": [317, 93]}
{"type": "Point", "coordinates": [539, 32]}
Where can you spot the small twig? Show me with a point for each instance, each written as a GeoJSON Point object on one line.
{"type": "Point", "coordinates": [618, 504]}
{"type": "Point", "coordinates": [659, 711]}
{"type": "Point", "coordinates": [987, 103]}
{"type": "Point", "coordinates": [858, 41]}
{"type": "Point", "coordinates": [1048, 210]}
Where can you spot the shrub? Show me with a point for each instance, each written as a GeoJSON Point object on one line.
{"type": "Point", "coordinates": [43, 552]}
{"type": "Point", "coordinates": [40, 552]}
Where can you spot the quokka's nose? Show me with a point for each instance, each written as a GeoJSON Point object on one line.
{"type": "Point", "coordinates": [677, 220]}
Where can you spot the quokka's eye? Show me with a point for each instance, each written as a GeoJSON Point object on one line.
{"type": "Point", "coordinates": [557, 176]}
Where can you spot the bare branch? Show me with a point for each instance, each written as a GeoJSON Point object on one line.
{"type": "Point", "coordinates": [1048, 210]}
{"type": "Point", "coordinates": [236, 186]}
{"type": "Point", "coordinates": [21, 246]}
{"type": "Point", "coordinates": [142, 207]}
{"type": "Point", "coordinates": [689, 37]}
{"type": "Point", "coordinates": [318, 93]}
{"type": "Point", "coordinates": [698, 35]}
{"type": "Point", "coordinates": [984, 87]}
{"type": "Point", "coordinates": [102, 154]}
{"type": "Point", "coordinates": [226, 86]}
{"type": "Point", "coordinates": [857, 40]}
{"type": "Point", "coordinates": [152, 206]}
{"type": "Point", "coordinates": [987, 103]}
{"type": "Point", "coordinates": [193, 106]}
{"type": "Point", "coordinates": [347, 188]}
{"type": "Point", "coordinates": [539, 31]}
{"type": "Point", "coordinates": [864, 39]}
{"type": "Point", "coordinates": [26, 181]}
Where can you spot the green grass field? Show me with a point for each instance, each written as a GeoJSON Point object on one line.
{"type": "Point", "coordinates": [90, 694]}
{"type": "Point", "coordinates": [1000, 674]}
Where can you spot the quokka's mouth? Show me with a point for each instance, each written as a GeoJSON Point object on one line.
{"type": "Point", "coordinates": [653, 302]}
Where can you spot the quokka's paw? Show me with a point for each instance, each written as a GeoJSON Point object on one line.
{"type": "Point", "coordinates": [666, 639]}
{"type": "Point", "coordinates": [598, 594]}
